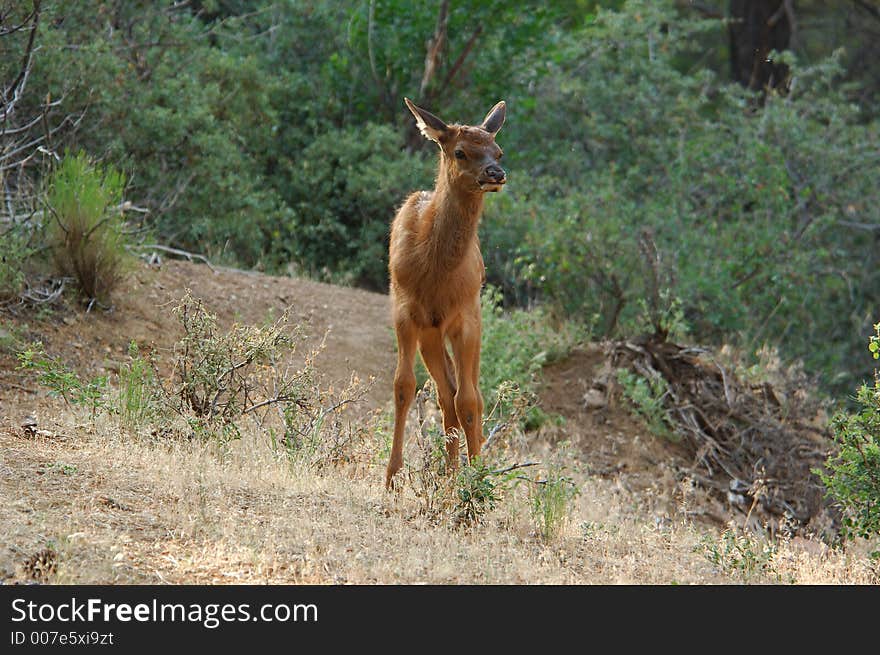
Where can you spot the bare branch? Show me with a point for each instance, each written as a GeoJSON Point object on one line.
{"type": "Point", "coordinates": [383, 90]}
{"type": "Point", "coordinates": [435, 46]}
{"type": "Point", "coordinates": [459, 62]}
{"type": "Point", "coordinates": [514, 467]}
{"type": "Point", "coordinates": [13, 93]}
{"type": "Point", "coordinates": [867, 6]}
{"type": "Point", "coordinates": [175, 251]}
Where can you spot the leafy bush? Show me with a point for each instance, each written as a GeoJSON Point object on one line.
{"type": "Point", "coordinates": [751, 206]}
{"type": "Point", "coordinates": [15, 251]}
{"type": "Point", "coordinates": [646, 396]}
{"type": "Point", "coordinates": [63, 381]}
{"type": "Point", "coordinates": [344, 189]}
{"type": "Point", "coordinates": [741, 554]}
{"type": "Point", "coordinates": [87, 227]}
{"type": "Point", "coordinates": [477, 493]}
{"type": "Point", "coordinates": [852, 477]}
{"type": "Point", "coordinates": [515, 346]}
{"type": "Point", "coordinates": [139, 401]}
{"type": "Point", "coordinates": [550, 502]}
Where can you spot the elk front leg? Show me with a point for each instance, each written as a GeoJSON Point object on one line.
{"type": "Point", "coordinates": [442, 371]}
{"type": "Point", "coordinates": [404, 391]}
{"type": "Point", "coordinates": [468, 400]}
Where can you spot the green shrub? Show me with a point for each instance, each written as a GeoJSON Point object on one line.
{"type": "Point", "coordinates": [550, 502]}
{"type": "Point", "coordinates": [740, 554]}
{"type": "Point", "coordinates": [760, 212]}
{"type": "Point", "coordinates": [86, 230]}
{"type": "Point", "coordinates": [477, 493]}
{"type": "Point", "coordinates": [645, 397]}
{"type": "Point", "coordinates": [63, 381]}
{"type": "Point", "coordinates": [139, 401]}
{"type": "Point", "coordinates": [344, 189]}
{"type": "Point", "coordinates": [852, 475]}
{"type": "Point", "coordinates": [515, 346]}
{"type": "Point", "coordinates": [14, 252]}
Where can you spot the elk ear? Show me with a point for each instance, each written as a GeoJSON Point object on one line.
{"type": "Point", "coordinates": [432, 127]}
{"type": "Point", "coordinates": [495, 118]}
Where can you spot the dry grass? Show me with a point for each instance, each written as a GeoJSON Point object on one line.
{"type": "Point", "coordinates": [121, 511]}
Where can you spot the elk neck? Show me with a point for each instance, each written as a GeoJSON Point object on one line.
{"type": "Point", "coordinates": [456, 213]}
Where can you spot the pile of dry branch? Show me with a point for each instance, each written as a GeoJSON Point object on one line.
{"type": "Point", "coordinates": [753, 445]}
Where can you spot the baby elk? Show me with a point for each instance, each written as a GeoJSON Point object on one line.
{"type": "Point", "coordinates": [437, 272]}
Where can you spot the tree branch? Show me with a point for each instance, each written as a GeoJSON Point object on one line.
{"type": "Point", "coordinates": [871, 9]}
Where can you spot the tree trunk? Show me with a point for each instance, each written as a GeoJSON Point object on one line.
{"type": "Point", "coordinates": [756, 28]}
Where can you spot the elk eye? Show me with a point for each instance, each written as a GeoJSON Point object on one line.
{"type": "Point", "coordinates": [459, 154]}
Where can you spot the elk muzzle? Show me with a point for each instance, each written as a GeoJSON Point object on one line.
{"type": "Point", "coordinates": [493, 178]}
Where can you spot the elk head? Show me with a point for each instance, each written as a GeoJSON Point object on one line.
{"type": "Point", "coordinates": [469, 153]}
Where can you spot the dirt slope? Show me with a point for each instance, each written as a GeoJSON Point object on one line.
{"type": "Point", "coordinates": [357, 323]}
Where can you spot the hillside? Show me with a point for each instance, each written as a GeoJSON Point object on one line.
{"type": "Point", "coordinates": [83, 504]}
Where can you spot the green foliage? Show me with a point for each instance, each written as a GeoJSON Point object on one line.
{"type": "Point", "coordinates": [11, 337]}
{"type": "Point", "coordinates": [87, 227]}
{"type": "Point", "coordinates": [476, 493]}
{"type": "Point", "coordinates": [15, 250]}
{"type": "Point", "coordinates": [138, 401]}
{"type": "Point", "coordinates": [646, 396]}
{"type": "Point", "coordinates": [462, 496]}
{"type": "Point", "coordinates": [63, 381]}
{"type": "Point", "coordinates": [852, 475]}
{"type": "Point", "coordinates": [515, 346]}
{"type": "Point", "coordinates": [551, 503]}
{"type": "Point", "coordinates": [742, 555]}
{"type": "Point", "coordinates": [750, 208]}
{"type": "Point", "coordinates": [361, 177]}
{"type": "Point", "coordinates": [665, 316]}
{"type": "Point", "coordinates": [273, 135]}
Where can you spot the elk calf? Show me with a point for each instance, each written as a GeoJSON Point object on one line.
{"type": "Point", "coordinates": [436, 275]}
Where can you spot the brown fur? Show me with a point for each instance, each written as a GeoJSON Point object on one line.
{"type": "Point", "coordinates": [436, 274]}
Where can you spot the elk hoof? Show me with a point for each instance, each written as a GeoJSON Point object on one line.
{"type": "Point", "coordinates": [393, 468]}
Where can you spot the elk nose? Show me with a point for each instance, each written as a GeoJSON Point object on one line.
{"type": "Point", "coordinates": [495, 172]}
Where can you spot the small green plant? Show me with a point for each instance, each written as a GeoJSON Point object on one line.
{"type": "Point", "coordinates": [63, 468]}
{"type": "Point", "coordinates": [852, 475]}
{"type": "Point", "coordinates": [62, 381]}
{"type": "Point", "coordinates": [86, 231]}
{"type": "Point", "coordinates": [874, 342]}
{"type": "Point", "coordinates": [551, 504]}
{"type": "Point", "coordinates": [464, 495]}
{"type": "Point", "coordinates": [739, 554]}
{"type": "Point", "coordinates": [516, 345]}
{"type": "Point", "coordinates": [138, 398]}
{"type": "Point", "coordinates": [15, 250]}
{"type": "Point", "coordinates": [11, 338]}
{"type": "Point", "coordinates": [477, 493]}
{"type": "Point", "coordinates": [646, 398]}
{"type": "Point", "coordinates": [665, 318]}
